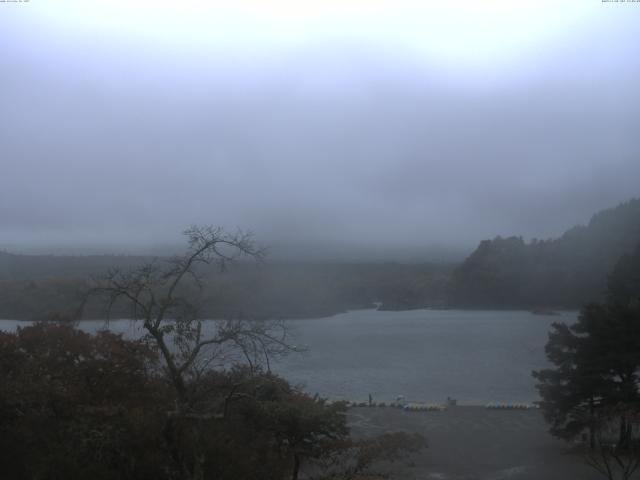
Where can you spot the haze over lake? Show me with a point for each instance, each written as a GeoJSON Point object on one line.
{"type": "Point", "coordinates": [475, 356]}
{"type": "Point", "coordinates": [425, 355]}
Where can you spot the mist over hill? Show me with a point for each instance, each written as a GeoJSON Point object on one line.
{"type": "Point", "coordinates": [501, 273]}
{"type": "Point", "coordinates": [563, 272]}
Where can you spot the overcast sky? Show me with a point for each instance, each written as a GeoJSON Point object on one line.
{"type": "Point", "coordinates": [330, 127]}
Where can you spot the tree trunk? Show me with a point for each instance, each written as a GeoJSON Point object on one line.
{"type": "Point", "coordinates": [296, 466]}
{"type": "Point", "coordinates": [592, 426]}
{"type": "Point", "coordinates": [169, 435]}
{"type": "Point", "coordinates": [623, 439]}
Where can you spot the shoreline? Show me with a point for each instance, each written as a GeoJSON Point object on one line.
{"type": "Point", "coordinates": [558, 312]}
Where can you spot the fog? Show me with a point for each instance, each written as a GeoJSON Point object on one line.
{"type": "Point", "coordinates": [405, 132]}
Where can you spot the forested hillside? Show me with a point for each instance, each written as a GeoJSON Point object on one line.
{"type": "Point", "coordinates": [563, 272]}
{"type": "Point", "coordinates": [42, 286]}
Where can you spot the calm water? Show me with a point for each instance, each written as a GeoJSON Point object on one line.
{"type": "Point", "coordinates": [425, 355]}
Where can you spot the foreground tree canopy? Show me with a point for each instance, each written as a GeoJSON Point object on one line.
{"type": "Point", "coordinates": [75, 405]}
{"type": "Point", "coordinates": [190, 400]}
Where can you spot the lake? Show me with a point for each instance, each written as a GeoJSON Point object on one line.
{"type": "Point", "coordinates": [425, 355]}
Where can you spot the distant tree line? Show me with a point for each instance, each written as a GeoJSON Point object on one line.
{"type": "Point", "coordinates": [32, 288]}
{"type": "Point", "coordinates": [502, 273]}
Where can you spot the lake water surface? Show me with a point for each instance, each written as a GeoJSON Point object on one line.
{"type": "Point", "coordinates": [424, 355]}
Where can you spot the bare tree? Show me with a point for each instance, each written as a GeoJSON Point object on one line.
{"type": "Point", "coordinates": [160, 297]}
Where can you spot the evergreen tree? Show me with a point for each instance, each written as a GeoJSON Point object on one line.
{"type": "Point", "coordinates": [597, 361]}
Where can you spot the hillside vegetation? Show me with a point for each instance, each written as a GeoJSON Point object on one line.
{"type": "Point", "coordinates": [41, 286]}
{"type": "Point", "coordinates": [564, 272]}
